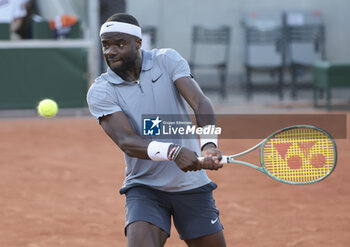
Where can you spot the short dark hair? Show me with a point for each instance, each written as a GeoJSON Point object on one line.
{"type": "Point", "coordinates": [123, 17]}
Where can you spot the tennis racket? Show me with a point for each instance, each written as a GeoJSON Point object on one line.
{"type": "Point", "coordinates": [300, 154]}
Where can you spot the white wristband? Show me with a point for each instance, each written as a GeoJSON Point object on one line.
{"type": "Point", "coordinates": [208, 138]}
{"type": "Point", "coordinates": [158, 151]}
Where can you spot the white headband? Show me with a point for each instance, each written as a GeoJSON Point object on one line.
{"type": "Point", "coordinates": [120, 27]}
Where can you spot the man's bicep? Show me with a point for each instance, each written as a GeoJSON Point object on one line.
{"type": "Point", "coordinates": [200, 103]}
{"type": "Point", "coordinates": [190, 90]}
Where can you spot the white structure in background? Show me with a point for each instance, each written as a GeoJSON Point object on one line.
{"type": "Point", "coordinates": [11, 10]}
{"type": "Point", "coordinates": [146, 41]}
{"type": "Point", "coordinates": [87, 12]}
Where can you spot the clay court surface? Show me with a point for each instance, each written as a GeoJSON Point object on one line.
{"type": "Point", "coordinates": [59, 182]}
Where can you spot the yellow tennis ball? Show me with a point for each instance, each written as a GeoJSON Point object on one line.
{"type": "Point", "coordinates": [47, 108]}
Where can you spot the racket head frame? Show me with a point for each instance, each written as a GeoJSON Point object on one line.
{"type": "Point", "coordinates": [264, 170]}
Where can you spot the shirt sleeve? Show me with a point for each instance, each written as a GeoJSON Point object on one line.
{"type": "Point", "coordinates": [176, 65]}
{"type": "Point", "coordinates": [101, 101]}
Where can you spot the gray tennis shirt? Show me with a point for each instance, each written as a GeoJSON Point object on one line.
{"type": "Point", "coordinates": [155, 93]}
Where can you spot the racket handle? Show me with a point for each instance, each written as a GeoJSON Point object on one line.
{"type": "Point", "coordinates": [224, 159]}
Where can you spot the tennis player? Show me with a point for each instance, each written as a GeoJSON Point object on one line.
{"type": "Point", "coordinates": [163, 179]}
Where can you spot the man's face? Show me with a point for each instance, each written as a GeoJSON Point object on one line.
{"type": "Point", "coordinates": [120, 50]}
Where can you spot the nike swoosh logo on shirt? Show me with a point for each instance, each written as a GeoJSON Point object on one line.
{"type": "Point", "coordinates": [214, 221]}
{"type": "Point", "coordinates": [109, 25]}
{"type": "Point", "coordinates": [156, 79]}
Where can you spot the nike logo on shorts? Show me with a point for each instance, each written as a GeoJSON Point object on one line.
{"type": "Point", "coordinates": [214, 221]}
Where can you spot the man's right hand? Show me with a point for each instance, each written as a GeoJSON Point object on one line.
{"type": "Point", "coordinates": [187, 160]}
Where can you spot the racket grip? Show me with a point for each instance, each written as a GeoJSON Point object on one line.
{"type": "Point", "coordinates": [224, 159]}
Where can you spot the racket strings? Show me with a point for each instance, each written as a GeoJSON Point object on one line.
{"type": "Point", "coordinates": [299, 155]}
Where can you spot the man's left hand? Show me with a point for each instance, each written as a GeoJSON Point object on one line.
{"type": "Point", "coordinates": [212, 157]}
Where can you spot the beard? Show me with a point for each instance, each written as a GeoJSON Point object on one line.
{"type": "Point", "coordinates": [126, 64]}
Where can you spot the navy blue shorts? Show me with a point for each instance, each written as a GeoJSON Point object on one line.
{"type": "Point", "coordinates": [194, 211]}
